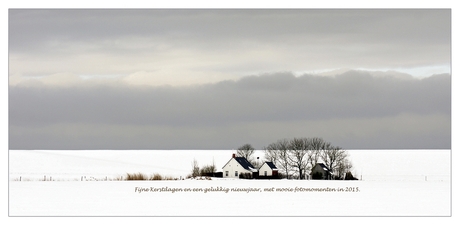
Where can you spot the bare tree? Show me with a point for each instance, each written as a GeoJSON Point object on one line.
{"type": "Point", "coordinates": [333, 158]}
{"type": "Point", "coordinates": [343, 167]}
{"type": "Point", "coordinates": [247, 151]}
{"type": "Point", "coordinates": [195, 168]}
{"type": "Point", "coordinates": [280, 151]}
{"type": "Point", "coordinates": [297, 154]}
{"type": "Point", "coordinates": [271, 155]}
{"type": "Point", "coordinates": [315, 146]}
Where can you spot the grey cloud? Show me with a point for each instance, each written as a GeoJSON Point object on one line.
{"type": "Point", "coordinates": [256, 109]}
{"type": "Point", "coordinates": [407, 131]}
{"type": "Point", "coordinates": [299, 39]}
{"type": "Point", "coordinates": [79, 24]}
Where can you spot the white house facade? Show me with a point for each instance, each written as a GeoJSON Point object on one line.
{"type": "Point", "coordinates": [268, 169]}
{"type": "Point", "coordinates": [236, 166]}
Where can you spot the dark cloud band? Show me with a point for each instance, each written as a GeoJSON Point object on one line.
{"type": "Point", "coordinates": [279, 101]}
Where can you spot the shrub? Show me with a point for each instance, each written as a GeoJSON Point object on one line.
{"type": "Point", "coordinates": [245, 176]}
{"type": "Point", "coordinates": [136, 176]}
{"type": "Point", "coordinates": [156, 176]}
{"type": "Point", "coordinates": [317, 176]}
{"type": "Point", "coordinates": [209, 169]}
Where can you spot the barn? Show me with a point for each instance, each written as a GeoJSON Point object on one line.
{"type": "Point", "coordinates": [321, 172]}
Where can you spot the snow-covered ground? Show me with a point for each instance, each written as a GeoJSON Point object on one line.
{"type": "Point", "coordinates": [156, 198]}
{"type": "Point", "coordinates": [423, 190]}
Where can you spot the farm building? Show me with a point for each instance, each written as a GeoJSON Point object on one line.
{"type": "Point", "coordinates": [238, 166]}
{"type": "Point", "coordinates": [268, 169]}
{"type": "Point", "coordinates": [321, 172]}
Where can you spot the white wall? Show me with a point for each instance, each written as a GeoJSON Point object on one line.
{"type": "Point", "coordinates": [264, 168]}
{"type": "Point", "coordinates": [233, 166]}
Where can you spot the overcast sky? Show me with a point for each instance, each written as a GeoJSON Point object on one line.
{"type": "Point", "coordinates": [217, 79]}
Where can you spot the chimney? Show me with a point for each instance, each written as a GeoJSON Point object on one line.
{"type": "Point", "coordinates": [233, 155]}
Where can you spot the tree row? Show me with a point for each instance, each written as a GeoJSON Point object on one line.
{"type": "Point", "coordinates": [296, 157]}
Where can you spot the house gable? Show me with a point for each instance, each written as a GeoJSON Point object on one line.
{"type": "Point", "coordinates": [268, 169]}
{"type": "Point", "coordinates": [236, 166]}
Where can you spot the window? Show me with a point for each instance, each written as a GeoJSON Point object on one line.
{"type": "Point", "coordinates": [236, 173]}
{"type": "Point", "coordinates": [226, 173]}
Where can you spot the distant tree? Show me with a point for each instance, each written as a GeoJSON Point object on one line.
{"type": "Point", "coordinates": [208, 170]}
{"type": "Point", "coordinates": [333, 158]}
{"type": "Point", "coordinates": [279, 155]}
{"type": "Point", "coordinates": [195, 169]}
{"type": "Point", "coordinates": [271, 155]}
{"type": "Point", "coordinates": [247, 151]}
{"type": "Point", "coordinates": [343, 168]}
{"type": "Point", "coordinates": [315, 145]}
{"type": "Point", "coordinates": [295, 157]}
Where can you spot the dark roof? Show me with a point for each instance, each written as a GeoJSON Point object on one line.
{"type": "Point", "coordinates": [324, 167]}
{"type": "Point", "coordinates": [271, 165]}
{"type": "Point", "coordinates": [244, 163]}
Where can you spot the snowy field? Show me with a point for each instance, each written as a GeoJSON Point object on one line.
{"type": "Point", "coordinates": [422, 189]}
{"type": "Point", "coordinates": [146, 198]}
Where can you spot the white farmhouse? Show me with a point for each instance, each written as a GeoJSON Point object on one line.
{"type": "Point", "coordinates": [237, 166]}
{"type": "Point", "coordinates": [268, 169]}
